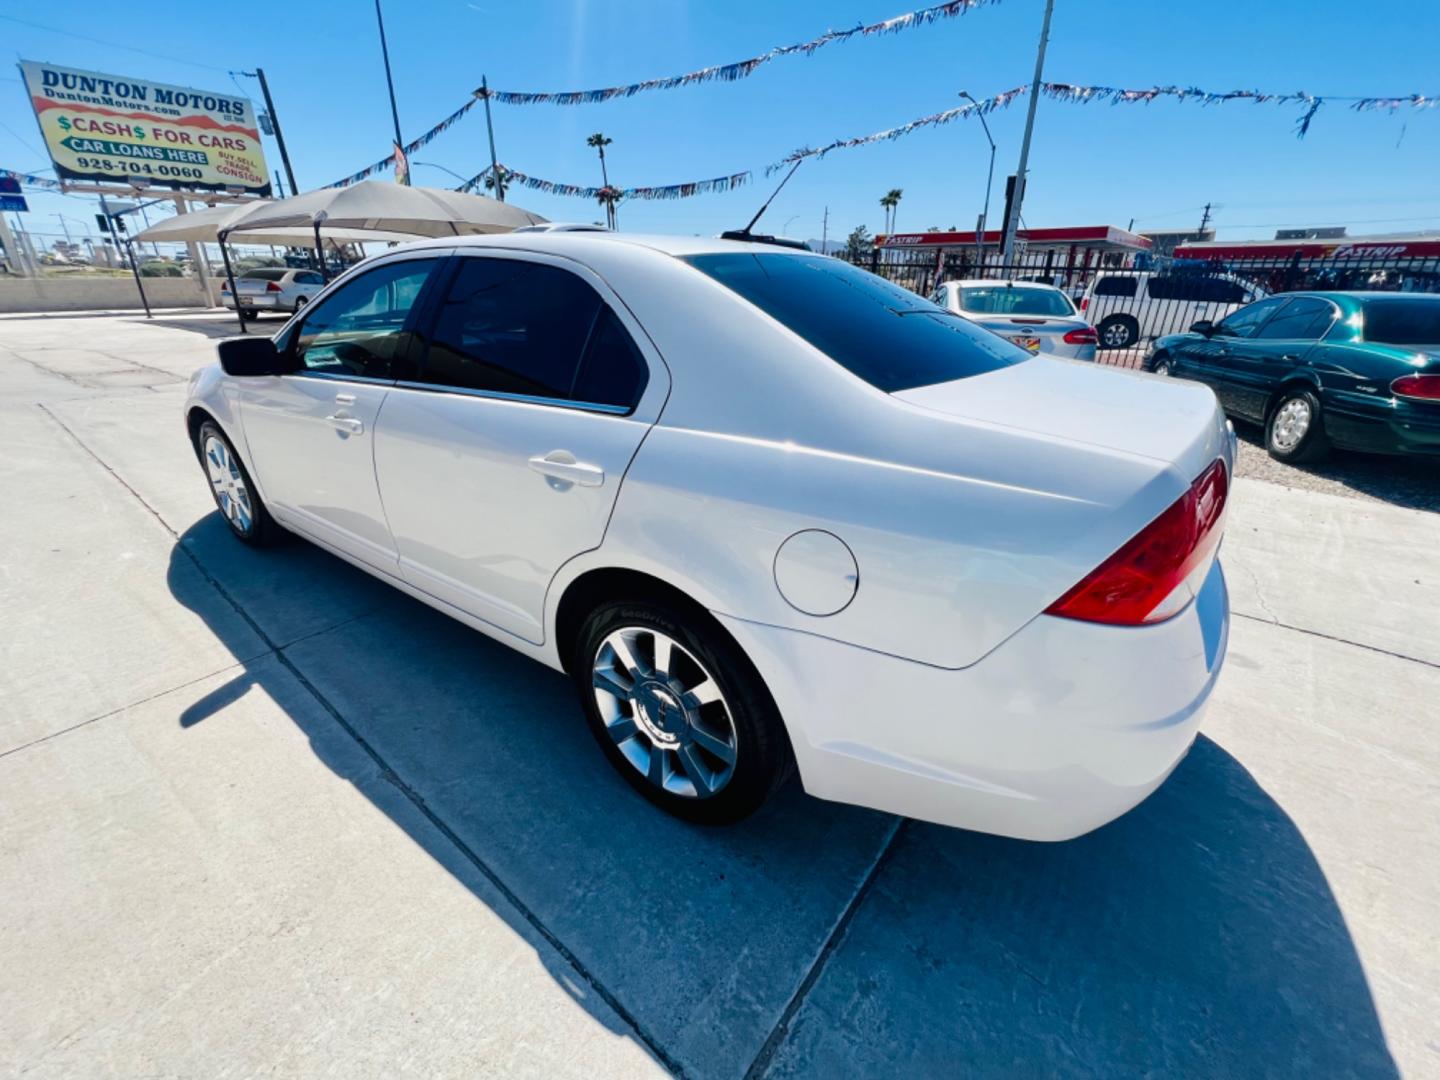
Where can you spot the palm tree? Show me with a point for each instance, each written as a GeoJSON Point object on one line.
{"type": "Point", "coordinates": [890, 202]}
{"type": "Point", "coordinates": [608, 197]}
{"type": "Point", "coordinates": [599, 142]}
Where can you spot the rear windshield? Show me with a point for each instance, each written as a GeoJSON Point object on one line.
{"type": "Point", "coordinates": [266, 273]}
{"type": "Point", "coordinates": [1013, 300]}
{"type": "Point", "coordinates": [1403, 322]}
{"type": "Point", "coordinates": [888, 336]}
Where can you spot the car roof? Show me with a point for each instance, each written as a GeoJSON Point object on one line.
{"type": "Point", "coordinates": [578, 242]}
{"type": "Point", "coordinates": [991, 282]}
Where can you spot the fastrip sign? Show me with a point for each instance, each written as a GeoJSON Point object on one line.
{"type": "Point", "coordinates": [112, 128]}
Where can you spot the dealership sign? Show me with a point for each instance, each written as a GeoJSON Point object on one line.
{"type": "Point", "coordinates": [111, 128]}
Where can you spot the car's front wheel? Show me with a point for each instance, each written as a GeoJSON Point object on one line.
{"type": "Point", "coordinates": [230, 485]}
{"type": "Point", "coordinates": [1161, 364]}
{"type": "Point", "coordinates": [1295, 430]}
{"type": "Point", "coordinates": [680, 711]}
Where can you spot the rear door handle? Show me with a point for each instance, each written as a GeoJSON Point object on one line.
{"type": "Point", "coordinates": [351, 424]}
{"type": "Point", "coordinates": [561, 465]}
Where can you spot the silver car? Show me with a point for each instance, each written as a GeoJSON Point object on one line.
{"type": "Point", "coordinates": [1039, 318]}
{"type": "Point", "coordinates": [273, 288]}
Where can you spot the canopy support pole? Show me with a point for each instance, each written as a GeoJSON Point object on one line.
{"type": "Point", "coordinates": [320, 251]}
{"type": "Point", "coordinates": [490, 127]}
{"type": "Point", "coordinates": [230, 277]}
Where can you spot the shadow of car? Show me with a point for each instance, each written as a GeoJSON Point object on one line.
{"type": "Point", "coordinates": [1196, 935]}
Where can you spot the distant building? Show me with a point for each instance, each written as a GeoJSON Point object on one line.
{"type": "Point", "coordinates": [1165, 241]}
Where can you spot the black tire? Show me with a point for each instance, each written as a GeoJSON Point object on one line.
{"type": "Point", "coordinates": [1280, 427]}
{"type": "Point", "coordinates": [1161, 364]}
{"type": "Point", "coordinates": [761, 750]}
{"type": "Point", "coordinates": [251, 313]}
{"type": "Point", "coordinates": [1118, 332]}
{"type": "Point", "coordinates": [255, 526]}
{"type": "Point", "coordinates": [300, 301]}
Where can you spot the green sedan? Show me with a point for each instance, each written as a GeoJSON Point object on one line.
{"type": "Point", "coordinates": [1357, 370]}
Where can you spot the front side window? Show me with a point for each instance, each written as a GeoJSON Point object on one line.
{"type": "Point", "coordinates": [361, 328]}
{"type": "Point", "coordinates": [884, 334]}
{"type": "Point", "coordinates": [1247, 320]}
{"type": "Point", "coordinates": [1403, 322]}
{"type": "Point", "coordinates": [1013, 300]}
{"type": "Point", "coordinates": [516, 327]}
{"type": "Point", "coordinates": [1304, 319]}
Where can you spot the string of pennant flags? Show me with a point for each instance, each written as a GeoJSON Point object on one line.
{"type": "Point", "coordinates": [31, 179]}
{"type": "Point", "coordinates": [664, 191]}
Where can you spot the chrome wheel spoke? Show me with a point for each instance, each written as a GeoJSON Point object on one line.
{"type": "Point", "coordinates": [656, 773]}
{"type": "Point", "coordinates": [698, 774]}
{"type": "Point", "coordinates": [703, 693]}
{"type": "Point", "coordinates": [719, 747]}
{"type": "Point", "coordinates": [613, 683]}
{"type": "Point", "coordinates": [664, 649]}
{"type": "Point", "coordinates": [625, 654]}
{"type": "Point", "coordinates": [622, 728]}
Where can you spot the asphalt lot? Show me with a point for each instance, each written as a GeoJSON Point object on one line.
{"type": "Point", "coordinates": [261, 815]}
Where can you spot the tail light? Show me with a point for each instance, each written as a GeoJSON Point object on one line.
{"type": "Point", "coordinates": [225, 286]}
{"type": "Point", "coordinates": [1417, 387]}
{"type": "Point", "coordinates": [1157, 572]}
{"type": "Point", "coordinates": [273, 286]}
{"type": "Point", "coordinates": [1085, 335]}
{"type": "Point", "coordinates": [1084, 303]}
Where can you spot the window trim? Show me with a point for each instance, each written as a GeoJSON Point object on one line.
{"type": "Point", "coordinates": [584, 273]}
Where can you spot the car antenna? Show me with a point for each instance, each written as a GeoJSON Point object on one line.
{"type": "Point", "coordinates": [746, 234]}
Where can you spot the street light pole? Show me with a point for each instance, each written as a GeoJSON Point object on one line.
{"type": "Point", "coordinates": [990, 176]}
{"type": "Point", "coordinates": [389, 81]}
{"type": "Point", "coordinates": [1013, 220]}
{"type": "Point", "coordinates": [431, 165]}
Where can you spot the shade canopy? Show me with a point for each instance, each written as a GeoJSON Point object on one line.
{"type": "Point", "coordinates": [378, 204]}
{"type": "Point", "coordinates": [205, 227]}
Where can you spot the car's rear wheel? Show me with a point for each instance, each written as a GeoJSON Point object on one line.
{"type": "Point", "coordinates": [1118, 332]}
{"type": "Point", "coordinates": [1295, 429]}
{"type": "Point", "coordinates": [301, 301]}
{"type": "Point", "coordinates": [234, 493]}
{"type": "Point", "coordinates": [679, 711]}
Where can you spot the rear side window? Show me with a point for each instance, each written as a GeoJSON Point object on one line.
{"type": "Point", "coordinates": [1403, 322]}
{"type": "Point", "coordinates": [1115, 286]}
{"type": "Point", "coordinates": [515, 327]}
{"type": "Point", "coordinates": [884, 334]}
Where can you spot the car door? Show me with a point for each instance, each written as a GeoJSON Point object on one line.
{"type": "Point", "coordinates": [1205, 358]}
{"type": "Point", "coordinates": [501, 459]}
{"type": "Point", "coordinates": [1259, 363]}
{"type": "Point", "coordinates": [310, 431]}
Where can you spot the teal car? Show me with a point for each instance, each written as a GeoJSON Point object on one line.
{"type": "Point", "coordinates": [1355, 370]}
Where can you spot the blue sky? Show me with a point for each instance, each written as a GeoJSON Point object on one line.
{"type": "Point", "coordinates": [1090, 164]}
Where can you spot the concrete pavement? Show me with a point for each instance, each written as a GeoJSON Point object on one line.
{"type": "Point", "coordinates": [261, 814]}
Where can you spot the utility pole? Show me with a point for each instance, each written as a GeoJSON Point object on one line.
{"type": "Point", "coordinates": [389, 82]}
{"type": "Point", "coordinates": [490, 127]}
{"type": "Point", "coordinates": [259, 73]}
{"type": "Point", "coordinates": [1204, 220]}
{"type": "Point", "coordinates": [825, 233]}
{"type": "Point", "coordinates": [1012, 220]}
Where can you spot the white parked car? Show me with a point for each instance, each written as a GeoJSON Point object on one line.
{"type": "Point", "coordinates": [272, 288]}
{"type": "Point", "coordinates": [1130, 306]}
{"type": "Point", "coordinates": [1037, 317]}
{"type": "Point", "coordinates": [767, 509]}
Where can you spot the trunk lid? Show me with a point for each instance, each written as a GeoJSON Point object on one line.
{"type": "Point", "coordinates": [1167, 420]}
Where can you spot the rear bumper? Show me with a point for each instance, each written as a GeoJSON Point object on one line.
{"type": "Point", "coordinates": [1387, 428]}
{"type": "Point", "coordinates": [1064, 727]}
{"type": "Point", "coordinates": [256, 301]}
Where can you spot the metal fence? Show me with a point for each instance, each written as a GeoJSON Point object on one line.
{"type": "Point", "coordinates": [1131, 304]}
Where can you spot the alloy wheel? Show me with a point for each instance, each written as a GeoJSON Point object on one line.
{"type": "Point", "coordinates": [1292, 421]}
{"type": "Point", "coordinates": [1117, 335]}
{"type": "Point", "coordinates": [228, 485]}
{"type": "Point", "coordinates": [664, 712]}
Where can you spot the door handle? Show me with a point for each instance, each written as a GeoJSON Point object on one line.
{"type": "Point", "coordinates": [1292, 357]}
{"type": "Point", "coordinates": [344, 399]}
{"type": "Point", "coordinates": [561, 465]}
{"type": "Point", "coordinates": [347, 423]}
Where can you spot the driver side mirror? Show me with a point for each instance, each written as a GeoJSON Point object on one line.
{"type": "Point", "coordinates": [1204, 327]}
{"type": "Point", "coordinates": [251, 356]}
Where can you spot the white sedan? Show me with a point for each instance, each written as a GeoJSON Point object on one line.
{"type": "Point", "coordinates": [769, 511]}
{"type": "Point", "coordinates": [1038, 318]}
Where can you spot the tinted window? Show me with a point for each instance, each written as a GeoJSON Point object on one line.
{"type": "Point", "coordinates": [515, 327]}
{"type": "Point", "coordinates": [1403, 322]}
{"type": "Point", "coordinates": [1247, 320]}
{"type": "Point", "coordinates": [360, 329]}
{"type": "Point", "coordinates": [309, 277]}
{"type": "Point", "coordinates": [1013, 300]}
{"type": "Point", "coordinates": [266, 274]}
{"type": "Point", "coordinates": [882, 333]}
{"type": "Point", "coordinates": [1115, 286]}
{"type": "Point", "coordinates": [1304, 318]}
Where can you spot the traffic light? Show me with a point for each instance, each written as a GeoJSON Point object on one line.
{"type": "Point", "coordinates": [119, 224]}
